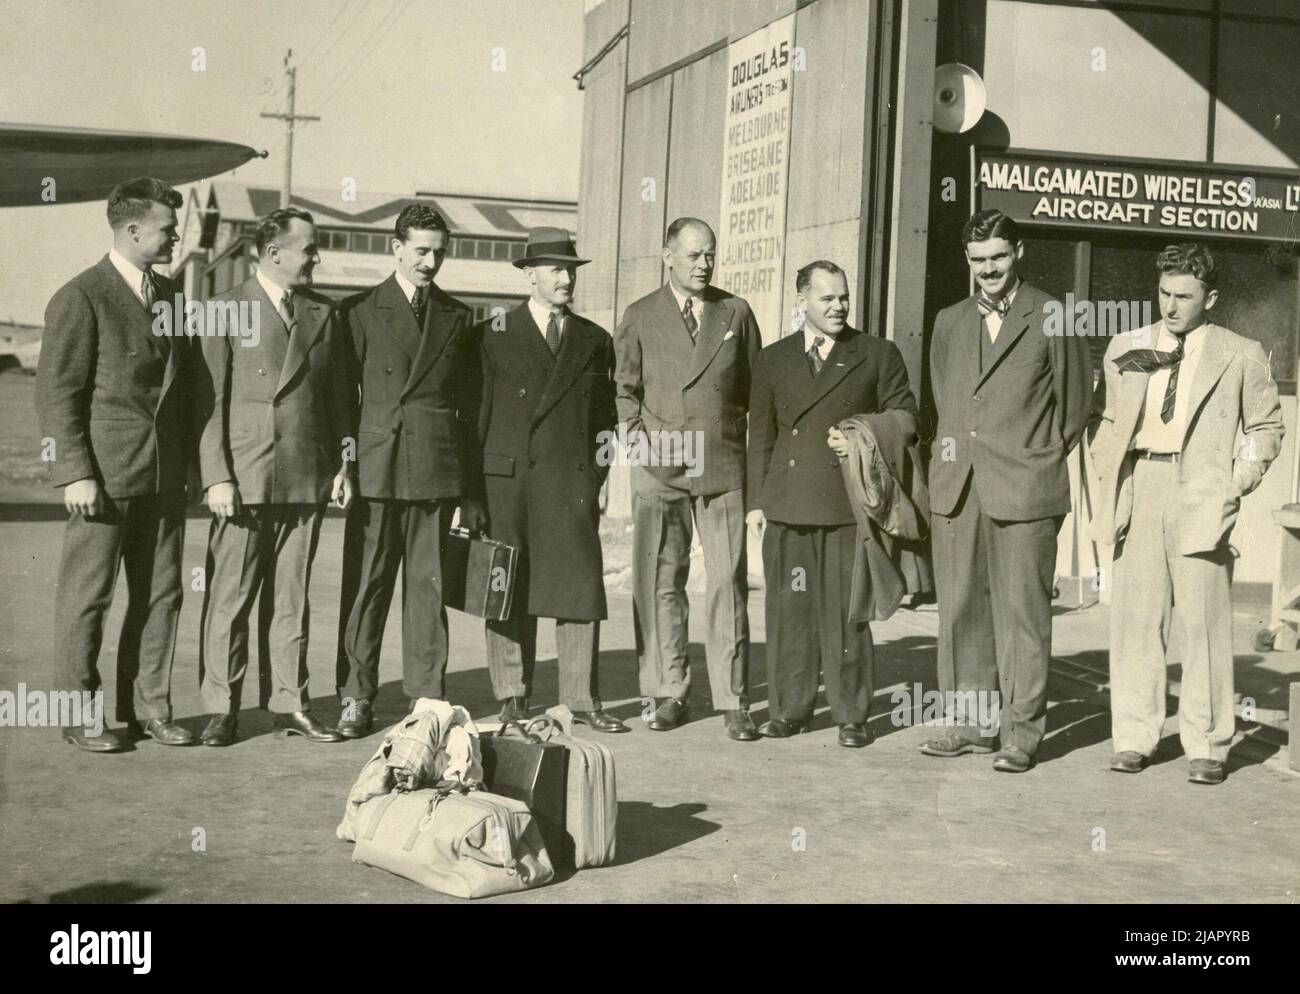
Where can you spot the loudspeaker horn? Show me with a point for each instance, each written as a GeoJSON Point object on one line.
{"type": "Point", "coordinates": [959, 98]}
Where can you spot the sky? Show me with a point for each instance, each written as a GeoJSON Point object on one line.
{"type": "Point", "coordinates": [446, 95]}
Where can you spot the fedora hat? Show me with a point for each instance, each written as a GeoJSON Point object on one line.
{"type": "Point", "coordinates": [549, 245]}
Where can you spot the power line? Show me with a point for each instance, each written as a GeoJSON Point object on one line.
{"type": "Point", "coordinates": [315, 46]}
{"type": "Point", "coordinates": [364, 50]}
{"type": "Point", "coordinates": [320, 60]}
{"type": "Point", "coordinates": [290, 118]}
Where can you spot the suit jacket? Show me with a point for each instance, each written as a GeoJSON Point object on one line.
{"type": "Point", "coordinates": [416, 433]}
{"type": "Point", "coordinates": [110, 392]}
{"type": "Point", "coordinates": [1011, 424]}
{"type": "Point", "coordinates": [276, 414]}
{"type": "Point", "coordinates": [794, 477]}
{"type": "Point", "coordinates": [667, 382]}
{"type": "Point", "coordinates": [546, 425]}
{"type": "Point", "coordinates": [1233, 395]}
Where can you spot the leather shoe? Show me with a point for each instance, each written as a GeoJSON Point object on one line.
{"type": "Point", "coordinates": [1013, 759]}
{"type": "Point", "coordinates": [855, 735]}
{"type": "Point", "coordinates": [600, 720]}
{"type": "Point", "coordinates": [166, 731]}
{"type": "Point", "coordinates": [357, 720]}
{"type": "Point", "coordinates": [1128, 761]}
{"type": "Point", "coordinates": [953, 745]}
{"type": "Point", "coordinates": [82, 738]}
{"type": "Point", "coordinates": [1206, 771]}
{"type": "Point", "coordinates": [672, 713]}
{"type": "Point", "coordinates": [514, 709]}
{"type": "Point", "coordinates": [780, 728]}
{"type": "Point", "coordinates": [220, 731]}
{"type": "Point", "coordinates": [304, 723]}
{"type": "Point", "coordinates": [740, 726]}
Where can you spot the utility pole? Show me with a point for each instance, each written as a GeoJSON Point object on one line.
{"type": "Point", "coordinates": [289, 119]}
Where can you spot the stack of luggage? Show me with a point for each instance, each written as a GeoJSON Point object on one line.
{"type": "Point", "coordinates": [471, 814]}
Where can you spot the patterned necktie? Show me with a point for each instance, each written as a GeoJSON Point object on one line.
{"type": "Point", "coordinates": [553, 334]}
{"type": "Point", "coordinates": [418, 301]}
{"type": "Point", "coordinates": [688, 315]}
{"type": "Point", "coordinates": [286, 310]}
{"type": "Point", "coordinates": [988, 306]}
{"type": "Point", "coordinates": [147, 289]}
{"type": "Point", "coordinates": [815, 355]}
{"type": "Point", "coordinates": [1148, 361]}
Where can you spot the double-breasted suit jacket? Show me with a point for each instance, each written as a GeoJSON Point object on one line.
{"type": "Point", "coordinates": [278, 410]}
{"type": "Point", "coordinates": [416, 434]}
{"type": "Point", "coordinates": [545, 424]}
{"type": "Point", "coordinates": [667, 381]}
{"type": "Point", "coordinates": [794, 477]}
{"type": "Point", "coordinates": [112, 393]}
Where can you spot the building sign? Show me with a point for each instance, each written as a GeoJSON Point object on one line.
{"type": "Point", "coordinates": [1164, 198]}
{"type": "Point", "coordinates": [755, 166]}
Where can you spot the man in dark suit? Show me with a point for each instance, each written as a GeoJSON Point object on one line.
{"type": "Point", "coordinates": [1012, 401]}
{"type": "Point", "coordinates": [413, 348]}
{"type": "Point", "coordinates": [546, 415]}
{"type": "Point", "coordinates": [804, 386]}
{"type": "Point", "coordinates": [685, 357]}
{"type": "Point", "coordinates": [111, 390]}
{"type": "Point", "coordinates": [278, 407]}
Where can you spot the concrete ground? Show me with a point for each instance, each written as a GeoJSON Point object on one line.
{"type": "Point", "coordinates": [700, 818]}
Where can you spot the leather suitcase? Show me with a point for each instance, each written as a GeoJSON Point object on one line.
{"type": "Point", "coordinates": [591, 807]}
{"type": "Point", "coordinates": [464, 844]}
{"type": "Point", "coordinates": [522, 767]}
{"type": "Point", "coordinates": [478, 575]}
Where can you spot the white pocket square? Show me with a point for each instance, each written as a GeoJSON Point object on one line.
{"type": "Point", "coordinates": [730, 334]}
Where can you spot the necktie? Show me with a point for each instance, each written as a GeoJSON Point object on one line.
{"type": "Point", "coordinates": [147, 289]}
{"type": "Point", "coordinates": [815, 355]}
{"type": "Point", "coordinates": [688, 315]}
{"type": "Point", "coordinates": [286, 310]}
{"type": "Point", "coordinates": [1148, 361]}
{"type": "Point", "coordinates": [988, 306]}
{"type": "Point", "coordinates": [418, 301]}
{"type": "Point", "coordinates": [553, 334]}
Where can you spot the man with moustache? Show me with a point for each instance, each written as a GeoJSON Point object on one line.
{"type": "Point", "coordinates": [804, 386]}
{"type": "Point", "coordinates": [1012, 400]}
{"type": "Point", "coordinates": [276, 432]}
{"type": "Point", "coordinates": [546, 411]}
{"type": "Point", "coordinates": [685, 358]}
{"type": "Point", "coordinates": [413, 348]}
{"type": "Point", "coordinates": [111, 393]}
{"type": "Point", "coordinates": [1175, 398]}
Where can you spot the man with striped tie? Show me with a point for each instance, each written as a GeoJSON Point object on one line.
{"type": "Point", "coordinates": [1012, 400]}
{"type": "Point", "coordinates": [1176, 396]}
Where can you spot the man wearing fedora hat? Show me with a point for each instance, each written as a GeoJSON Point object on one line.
{"type": "Point", "coordinates": [546, 403]}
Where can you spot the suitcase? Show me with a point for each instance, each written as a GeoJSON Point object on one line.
{"type": "Point", "coordinates": [467, 845]}
{"type": "Point", "coordinates": [521, 766]}
{"type": "Point", "coordinates": [591, 802]}
{"type": "Point", "coordinates": [478, 575]}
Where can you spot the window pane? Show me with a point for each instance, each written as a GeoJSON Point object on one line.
{"type": "Point", "coordinates": [500, 250]}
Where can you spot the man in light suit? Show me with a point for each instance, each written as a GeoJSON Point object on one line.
{"type": "Point", "coordinates": [685, 357]}
{"type": "Point", "coordinates": [1012, 400]}
{"type": "Point", "coordinates": [546, 409]}
{"type": "Point", "coordinates": [111, 394]}
{"type": "Point", "coordinates": [413, 348]}
{"type": "Point", "coordinates": [804, 386]}
{"type": "Point", "coordinates": [278, 407]}
{"type": "Point", "coordinates": [1175, 398]}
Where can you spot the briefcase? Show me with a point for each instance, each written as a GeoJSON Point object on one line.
{"type": "Point", "coordinates": [521, 766]}
{"type": "Point", "coordinates": [478, 575]}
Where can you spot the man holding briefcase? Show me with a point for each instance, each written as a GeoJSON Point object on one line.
{"type": "Point", "coordinates": [546, 397]}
